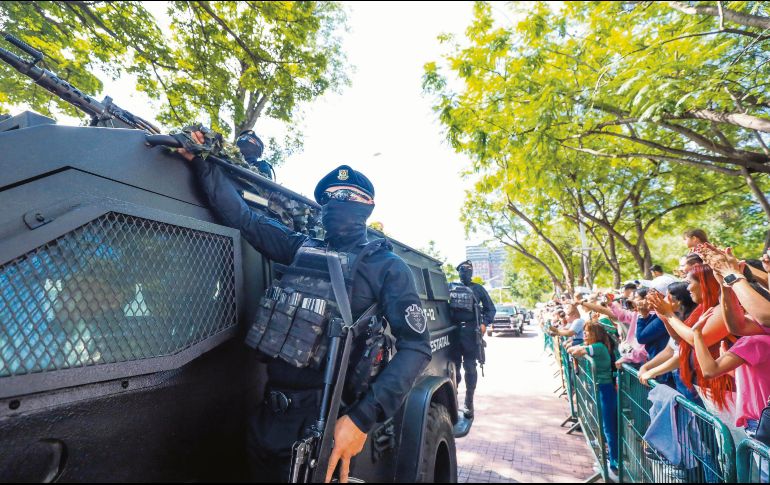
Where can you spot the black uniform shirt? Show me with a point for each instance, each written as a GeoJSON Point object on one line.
{"type": "Point", "coordinates": [382, 277]}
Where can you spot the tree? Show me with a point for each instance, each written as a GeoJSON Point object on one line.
{"type": "Point", "coordinates": [573, 117]}
{"type": "Point", "coordinates": [225, 63]}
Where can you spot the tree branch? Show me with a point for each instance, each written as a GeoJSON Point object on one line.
{"type": "Point", "coordinates": [662, 158]}
{"type": "Point", "coordinates": [730, 15]}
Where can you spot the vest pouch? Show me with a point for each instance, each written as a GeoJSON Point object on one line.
{"type": "Point", "coordinates": [302, 345]}
{"type": "Point", "coordinates": [261, 321]}
{"type": "Point", "coordinates": [461, 298]}
{"type": "Point", "coordinates": [280, 323]}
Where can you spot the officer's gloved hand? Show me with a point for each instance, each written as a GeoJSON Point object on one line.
{"type": "Point", "coordinates": [198, 140]}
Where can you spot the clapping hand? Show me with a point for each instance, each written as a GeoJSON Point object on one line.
{"type": "Point", "coordinates": [697, 329]}
{"type": "Point", "coordinates": [661, 305]}
{"type": "Point", "coordinates": [722, 262]}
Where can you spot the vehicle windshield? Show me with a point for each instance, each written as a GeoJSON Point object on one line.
{"type": "Point", "coordinates": [506, 310]}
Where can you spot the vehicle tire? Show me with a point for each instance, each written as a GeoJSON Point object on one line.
{"type": "Point", "coordinates": [439, 456]}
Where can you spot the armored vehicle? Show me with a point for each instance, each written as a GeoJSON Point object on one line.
{"type": "Point", "coordinates": [124, 304]}
{"type": "Point", "coordinates": [123, 307]}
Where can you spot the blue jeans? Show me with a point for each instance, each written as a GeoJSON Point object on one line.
{"type": "Point", "coordinates": [609, 399]}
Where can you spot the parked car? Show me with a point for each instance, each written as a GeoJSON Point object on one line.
{"type": "Point", "coordinates": [508, 320]}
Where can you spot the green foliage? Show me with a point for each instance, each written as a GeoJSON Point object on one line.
{"type": "Point", "coordinates": [223, 63]}
{"type": "Point", "coordinates": [635, 118]}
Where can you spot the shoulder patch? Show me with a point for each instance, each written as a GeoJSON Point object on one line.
{"type": "Point", "coordinates": [415, 318]}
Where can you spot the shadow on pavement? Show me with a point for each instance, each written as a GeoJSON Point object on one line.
{"type": "Point", "coordinates": [529, 332]}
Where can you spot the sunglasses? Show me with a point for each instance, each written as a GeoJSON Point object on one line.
{"type": "Point", "coordinates": [346, 195]}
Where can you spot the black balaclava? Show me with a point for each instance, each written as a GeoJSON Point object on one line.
{"type": "Point", "coordinates": [466, 274]}
{"type": "Point", "coordinates": [345, 223]}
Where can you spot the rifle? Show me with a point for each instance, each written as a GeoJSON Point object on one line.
{"type": "Point", "coordinates": [479, 338]}
{"type": "Point", "coordinates": [310, 455]}
{"type": "Point", "coordinates": [293, 210]}
{"type": "Point", "coordinates": [104, 113]}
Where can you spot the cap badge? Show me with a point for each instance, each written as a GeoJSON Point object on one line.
{"type": "Point", "coordinates": [343, 174]}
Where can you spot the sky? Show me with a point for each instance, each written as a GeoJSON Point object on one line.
{"type": "Point", "coordinates": [381, 125]}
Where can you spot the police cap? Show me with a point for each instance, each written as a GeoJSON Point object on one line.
{"type": "Point", "coordinates": [467, 264]}
{"type": "Point", "coordinates": [343, 176]}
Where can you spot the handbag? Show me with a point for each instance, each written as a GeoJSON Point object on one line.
{"type": "Point", "coordinates": [763, 428]}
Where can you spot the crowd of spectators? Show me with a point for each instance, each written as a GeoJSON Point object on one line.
{"type": "Point", "coordinates": [704, 331]}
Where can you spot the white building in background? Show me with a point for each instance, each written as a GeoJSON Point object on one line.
{"type": "Point", "coordinates": [488, 264]}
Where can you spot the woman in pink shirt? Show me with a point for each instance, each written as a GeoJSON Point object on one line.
{"type": "Point", "coordinates": [749, 357]}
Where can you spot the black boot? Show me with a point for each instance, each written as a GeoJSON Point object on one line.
{"type": "Point", "coordinates": [469, 403]}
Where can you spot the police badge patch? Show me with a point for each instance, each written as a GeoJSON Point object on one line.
{"type": "Point", "coordinates": [415, 318]}
{"type": "Point", "coordinates": [343, 174]}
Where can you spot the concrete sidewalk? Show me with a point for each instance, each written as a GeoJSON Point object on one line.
{"type": "Point", "coordinates": [516, 436]}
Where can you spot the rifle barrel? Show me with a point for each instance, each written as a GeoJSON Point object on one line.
{"type": "Point", "coordinates": [97, 111]}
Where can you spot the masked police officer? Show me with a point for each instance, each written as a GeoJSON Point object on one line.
{"type": "Point", "coordinates": [381, 277]}
{"type": "Point", "coordinates": [251, 147]}
{"type": "Point", "coordinates": [472, 310]}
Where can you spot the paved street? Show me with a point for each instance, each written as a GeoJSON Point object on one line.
{"type": "Point", "coordinates": [516, 436]}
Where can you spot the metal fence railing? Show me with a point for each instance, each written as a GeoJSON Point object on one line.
{"type": "Point", "coordinates": [568, 380]}
{"type": "Point", "coordinates": [706, 445]}
{"type": "Point", "coordinates": [753, 459]}
{"type": "Point", "coordinates": [589, 413]}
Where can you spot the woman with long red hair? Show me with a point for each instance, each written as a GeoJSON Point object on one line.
{"type": "Point", "coordinates": [705, 291]}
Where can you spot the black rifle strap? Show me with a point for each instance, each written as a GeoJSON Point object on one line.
{"type": "Point", "coordinates": [343, 302]}
{"type": "Point", "coordinates": [339, 287]}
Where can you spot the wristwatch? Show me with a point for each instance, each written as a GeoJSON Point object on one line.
{"type": "Point", "coordinates": [732, 278]}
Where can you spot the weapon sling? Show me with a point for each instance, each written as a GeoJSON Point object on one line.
{"type": "Point", "coordinates": [308, 464]}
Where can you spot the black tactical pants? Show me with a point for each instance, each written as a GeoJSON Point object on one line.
{"type": "Point", "coordinates": [271, 437]}
{"type": "Point", "coordinates": [466, 356]}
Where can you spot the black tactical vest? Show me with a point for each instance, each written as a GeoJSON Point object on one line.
{"type": "Point", "coordinates": [461, 297]}
{"type": "Point", "coordinates": [293, 315]}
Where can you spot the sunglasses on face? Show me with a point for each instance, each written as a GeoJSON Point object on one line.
{"type": "Point", "coordinates": [346, 195]}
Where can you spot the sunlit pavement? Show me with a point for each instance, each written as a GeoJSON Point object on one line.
{"type": "Point", "coordinates": [516, 436]}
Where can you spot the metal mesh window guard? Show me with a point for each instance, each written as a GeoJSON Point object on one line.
{"type": "Point", "coordinates": [120, 288]}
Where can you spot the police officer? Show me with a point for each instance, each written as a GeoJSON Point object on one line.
{"type": "Point", "coordinates": [347, 200]}
{"type": "Point", "coordinates": [464, 302]}
{"type": "Point", "coordinates": [251, 147]}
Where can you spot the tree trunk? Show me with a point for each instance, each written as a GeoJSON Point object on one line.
{"type": "Point", "coordinates": [518, 247]}
{"type": "Point", "coordinates": [569, 275]}
{"type": "Point", "coordinates": [642, 256]}
{"type": "Point", "coordinates": [617, 277]}
{"type": "Point", "coordinates": [760, 196]}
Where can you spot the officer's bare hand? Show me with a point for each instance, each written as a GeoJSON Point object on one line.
{"type": "Point", "coordinates": [348, 442]}
{"type": "Point", "coordinates": [199, 139]}
{"type": "Point", "coordinates": [483, 329]}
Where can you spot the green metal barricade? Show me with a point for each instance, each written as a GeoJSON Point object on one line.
{"type": "Point", "coordinates": [706, 443]}
{"type": "Point", "coordinates": [589, 413]}
{"type": "Point", "coordinates": [568, 380]}
{"type": "Point", "coordinates": [753, 460]}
